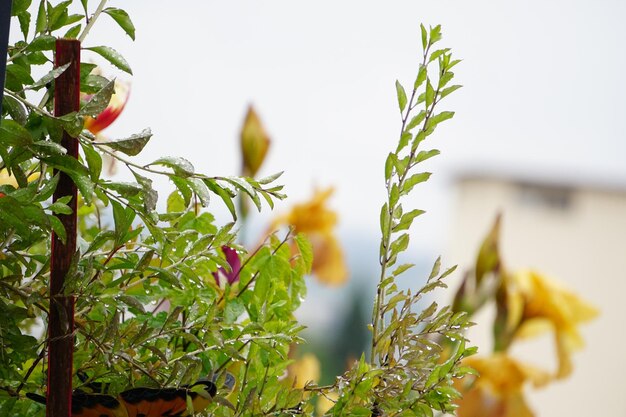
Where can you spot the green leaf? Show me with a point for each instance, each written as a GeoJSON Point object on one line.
{"type": "Point", "coordinates": [78, 173]}
{"type": "Point", "coordinates": [175, 203]}
{"type": "Point", "coordinates": [73, 32]}
{"type": "Point", "coordinates": [101, 238]}
{"type": "Point", "coordinates": [424, 155]}
{"type": "Point", "coordinates": [400, 244]}
{"type": "Point", "coordinates": [20, 73]}
{"type": "Point", "coordinates": [99, 101]}
{"type": "Point", "coordinates": [94, 161]}
{"type": "Point", "coordinates": [407, 219]}
{"type": "Point", "coordinates": [13, 134]}
{"type": "Point", "coordinates": [424, 36]}
{"type": "Point", "coordinates": [389, 164]}
{"type": "Point", "coordinates": [445, 79]}
{"type": "Point", "coordinates": [134, 144]}
{"type": "Point", "coordinates": [413, 180]}
{"type": "Point", "coordinates": [224, 195]}
{"type": "Point", "coordinates": [449, 90]}
{"type": "Point", "coordinates": [416, 120]}
{"type": "Point", "coordinates": [150, 195]}
{"type": "Point", "coordinates": [50, 76]}
{"type": "Point", "coordinates": [243, 185]}
{"type": "Point", "coordinates": [269, 179]}
{"type": "Point", "coordinates": [59, 208]}
{"type": "Point", "coordinates": [438, 118]}
{"type": "Point", "coordinates": [384, 219]}
{"type": "Point", "coordinates": [112, 56]}
{"type": "Point", "coordinates": [122, 19]}
{"type": "Point", "coordinates": [201, 190]}
{"type": "Point", "coordinates": [181, 166]}
{"type": "Point", "coordinates": [436, 54]}
{"type": "Point", "coordinates": [401, 96]}
{"type": "Point", "coordinates": [430, 94]}
{"type": "Point", "coordinates": [15, 110]}
{"type": "Point", "coordinates": [58, 228]}
{"type": "Point", "coordinates": [19, 6]}
{"type": "Point", "coordinates": [42, 43]}
{"type": "Point", "coordinates": [132, 302]}
{"type": "Point", "coordinates": [405, 138]}
{"type": "Point", "coordinates": [402, 268]}
{"type": "Point", "coordinates": [435, 34]}
{"type": "Point", "coordinates": [48, 188]}
{"type": "Point", "coordinates": [125, 189]}
{"type": "Point", "coordinates": [48, 147]}
{"type": "Point", "coordinates": [84, 3]}
{"type": "Point", "coordinates": [42, 18]}
{"type": "Point", "coordinates": [306, 250]}
{"type": "Point", "coordinates": [24, 19]}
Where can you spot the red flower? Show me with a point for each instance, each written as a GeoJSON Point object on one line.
{"type": "Point", "coordinates": [222, 275]}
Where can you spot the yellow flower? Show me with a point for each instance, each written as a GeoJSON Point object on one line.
{"type": "Point", "coordinates": [325, 403]}
{"type": "Point", "coordinates": [304, 370]}
{"type": "Point", "coordinates": [498, 391]}
{"type": "Point", "coordinates": [9, 179]}
{"type": "Point", "coordinates": [539, 304]}
{"type": "Point", "coordinates": [317, 222]}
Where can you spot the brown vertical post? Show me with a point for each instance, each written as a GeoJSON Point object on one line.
{"type": "Point", "coordinates": [61, 319]}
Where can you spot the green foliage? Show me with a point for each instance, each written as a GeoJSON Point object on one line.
{"type": "Point", "coordinates": [414, 356]}
{"type": "Point", "coordinates": [150, 310]}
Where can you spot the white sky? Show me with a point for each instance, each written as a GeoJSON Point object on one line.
{"type": "Point", "coordinates": [543, 91]}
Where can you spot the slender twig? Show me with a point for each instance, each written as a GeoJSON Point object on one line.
{"type": "Point", "coordinates": [92, 20]}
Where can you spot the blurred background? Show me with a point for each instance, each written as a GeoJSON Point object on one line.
{"type": "Point", "coordinates": [539, 134]}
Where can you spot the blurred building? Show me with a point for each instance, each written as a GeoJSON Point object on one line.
{"type": "Point", "coordinates": [575, 232]}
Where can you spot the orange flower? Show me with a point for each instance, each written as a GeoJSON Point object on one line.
{"type": "Point", "coordinates": [317, 222]}
{"type": "Point", "coordinates": [498, 391]}
{"type": "Point", "coordinates": [116, 105]}
{"type": "Point", "coordinates": [538, 304]}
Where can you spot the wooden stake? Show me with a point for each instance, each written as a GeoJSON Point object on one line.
{"type": "Point", "coordinates": [61, 319]}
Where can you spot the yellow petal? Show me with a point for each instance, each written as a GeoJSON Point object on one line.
{"type": "Point", "coordinates": [306, 369]}
{"type": "Point", "coordinates": [549, 306]}
{"type": "Point", "coordinates": [314, 219]}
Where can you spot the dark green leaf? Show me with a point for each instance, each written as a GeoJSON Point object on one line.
{"type": "Point", "coordinates": [201, 190]}
{"type": "Point", "coordinates": [15, 110]}
{"type": "Point", "coordinates": [73, 32]}
{"type": "Point", "coordinates": [181, 166]}
{"type": "Point", "coordinates": [59, 208]}
{"type": "Point", "coordinates": [224, 195]}
{"type": "Point", "coordinates": [19, 6]}
{"type": "Point", "coordinates": [42, 43]}
{"type": "Point", "coordinates": [94, 161]}
{"type": "Point", "coordinates": [112, 56]}
{"type": "Point", "coordinates": [24, 19]}
{"type": "Point", "coordinates": [134, 144]}
{"type": "Point", "coordinates": [42, 18]}
{"type": "Point", "coordinates": [122, 19]}
{"type": "Point", "coordinates": [13, 134]}
{"type": "Point", "coordinates": [49, 77]}
{"type": "Point", "coordinates": [58, 228]}
{"type": "Point", "coordinates": [99, 101]}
